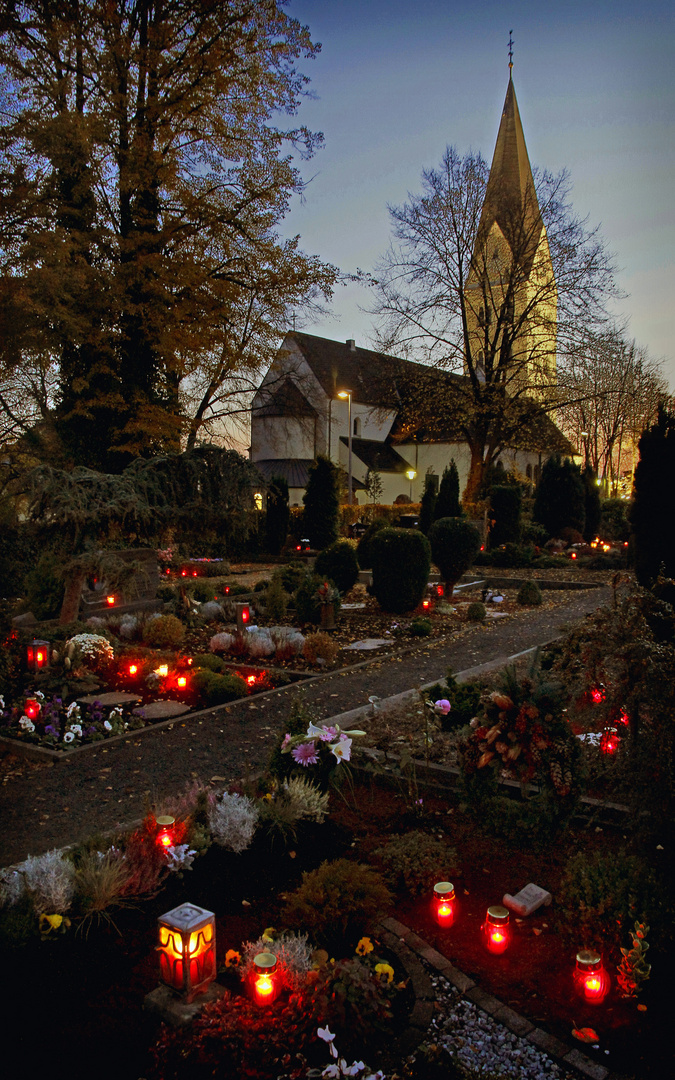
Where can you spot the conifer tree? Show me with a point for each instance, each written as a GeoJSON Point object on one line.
{"type": "Point", "coordinates": [591, 503]}
{"type": "Point", "coordinates": [559, 502]}
{"type": "Point", "coordinates": [428, 504]}
{"type": "Point", "coordinates": [653, 512]}
{"type": "Point", "coordinates": [447, 503]}
{"type": "Point", "coordinates": [278, 514]}
{"type": "Point", "coordinates": [322, 503]}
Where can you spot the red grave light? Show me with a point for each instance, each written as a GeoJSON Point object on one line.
{"type": "Point", "coordinates": [265, 982]}
{"type": "Point", "coordinates": [133, 668]}
{"type": "Point", "coordinates": [609, 741]}
{"type": "Point", "coordinates": [597, 694]}
{"type": "Point", "coordinates": [181, 681]}
{"type": "Point", "coordinates": [250, 679]}
{"type": "Point", "coordinates": [31, 708]}
{"type": "Point", "coordinates": [37, 655]}
{"type": "Point", "coordinates": [439, 590]}
{"type": "Point", "coordinates": [591, 981]}
{"type": "Point", "coordinates": [194, 573]}
{"type": "Point", "coordinates": [496, 930]}
{"type": "Point", "coordinates": [110, 600]}
{"type": "Point", "coordinates": [187, 950]}
{"type": "Point", "coordinates": [426, 604]}
{"type": "Point", "coordinates": [443, 904]}
{"type": "Point", "coordinates": [165, 824]}
{"type": "Point", "coordinates": [573, 555]}
{"type": "Point", "coordinates": [183, 573]}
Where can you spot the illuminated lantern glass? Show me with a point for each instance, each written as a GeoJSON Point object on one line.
{"type": "Point", "coordinates": [590, 978]}
{"type": "Point", "coordinates": [187, 950]}
{"type": "Point", "coordinates": [250, 679]}
{"type": "Point", "coordinates": [496, 930]}
{"type": "Point", "coordinates": [609, 741]}
{"type": "Point", "coordinates": [265, 982]}
{"type": "Point", "coordinates": [31, 708]}
{"type": "Point", "coordinates": [439, 590]}
{"type": "Point", "coordinates": [165, 826]}
{"type": "Point", "coordinates": [444, 903]}
{"type": "Point", "coordinates": [133, 669]}
{"type": "Point", "coordinates": [181, 681]}
{"type": "Point", "coordinates": [37, 655]}
{"type": "Point", "coordinates": [597, 694]}
{"type": "Point", "coordinates": [110, 600]}
{"type": "Point", "coordinates": [243, 616]}
{"type": "Point", "coordinates": [426, 604]}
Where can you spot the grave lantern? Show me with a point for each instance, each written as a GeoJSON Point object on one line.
{"type": "Point", "coordinates": [609, 741]}
{"type": "Point", "coordinates": [265, 981]}
{"type": "Point", "coordinates": [31, 708]}
{"type": "Point", "coordinates": [187, 950]}
{"type": "Point", "coordinates": [181, 682]}
{"type": "Point", "coordinates": [37, 655]}
{"type": "Point", "coordinates": [439, 590]}
{"type": "Point", "coordinates": [443, 904]}
{"type": "Point", "coordinates": [165, 824]}
{"type": "Point", "coordinates": [110, 601]}
{"type": "Point", "coordinates": [243, 616]}
{"type": "Point", "coordinates": [496, 930]}
{"type": "Point", "coordinates": [590, 978]}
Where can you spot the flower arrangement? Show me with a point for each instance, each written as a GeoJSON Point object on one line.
{"type": "Point", "coordinates": [308, 749]}
{"type": "Point", "coordinates": [327, 593]}
{"type": "Point", "coordinates": [63, 727]}
{"type": "Point", "coordinates": [92, 650]}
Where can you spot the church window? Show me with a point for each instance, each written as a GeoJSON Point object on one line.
{"type": "Point", "coordinates": [528, 472]}
{"type": "Point", "coordinates": [357, 427]}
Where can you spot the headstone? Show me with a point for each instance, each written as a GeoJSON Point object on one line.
{"type": "Point", "coordinates": [528, 900]}
{"type": "Point", "coordinates": [139, 592]}
{"type": "Point", "coordinates": [27, 619]}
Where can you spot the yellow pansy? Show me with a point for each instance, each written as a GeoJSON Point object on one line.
{"type": "Point", "coordinates": [385, 969]}
{"type": "Point", "coordinates": [364, 947]}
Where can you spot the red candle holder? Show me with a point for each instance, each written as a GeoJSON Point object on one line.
{"type": "Point", "coordinates": [187, 950]}
{"type": "Point", "coordinates": [444, 904]}
{"type": "Point", "coordinates": [609, 741]}
{"type": "Point", "coordinates": [591, 981]}
{"type": "Point", "coordinates": [496, 929]}
{"type": "Point", "coordinates": [31, 708]}
{"type": "Point", "coordinates": [243, 612]}
{"type": "Point", "coordinates": [165, 824]}
{"type": "Point", "coordinates": [265, 982]}
{"type": "Point", "coordinates": [37, 655]}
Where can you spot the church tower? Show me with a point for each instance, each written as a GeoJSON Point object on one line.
{"type": "Point", "coordinates": [510, 296]}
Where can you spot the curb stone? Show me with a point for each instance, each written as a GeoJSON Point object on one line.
{"type": "Point", "coordinates": [404, 938]}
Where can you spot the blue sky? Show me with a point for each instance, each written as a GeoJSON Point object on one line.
{"type": "Point", "coordinates": [396, 82]}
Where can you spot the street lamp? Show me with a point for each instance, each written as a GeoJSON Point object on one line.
{"type": "Point", "coordinates": [411, 474]}
{"type": "Point", "coordinates": [348, 394]}
{"type": "Point", "coordinates": [584, 436]}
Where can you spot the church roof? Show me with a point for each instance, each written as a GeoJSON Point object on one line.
{"type": "Point", "coordinates": [285, 400]}
{"type": "Point", "coordinates": [341, 365]}
{"type": "Point", "coordinates": [378, 456]}
{"type": "Point", "coordinates": [510, 197]}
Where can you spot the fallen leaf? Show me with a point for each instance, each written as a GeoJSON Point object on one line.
{"type": "Point", "coordinates": [246, 903]}
{"type": "Point", "coordinates": [215, 779]}
{"type": "Point", "coordinates": [585, 1034]}
{"type": "Point", "coordinates": [642, 1008]}
{"type": "Point", "coordinates": [536, 930]}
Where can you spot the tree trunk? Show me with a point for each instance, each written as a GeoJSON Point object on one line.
{"type": "Point", "coordinates": [71, 597]}
{"type": "Point", "coordinates": [475, 477]}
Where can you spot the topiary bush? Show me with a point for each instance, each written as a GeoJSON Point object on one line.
{"type": "Point", "coordinates": [322, 503]}
{"type": "Point", "coordinates": [163, 632]}
{"type": "Point", "coordinates": [338, 903]}
{"type": "Point", "coordinates": [454, 545]}
{"type": "Point", "coordinates": [339, 564]}
{"type": "Point", "coordinates": [306, 600]}
{"type": "Point", "coordinates": [414, 861]}
{"type": "Point", "coordinates": [277, 515]}
{"type": "Point", "coordinates": [401, 560]}
{"type": "Point", "coordinates": [215, 689]}
{"type": "Point", "coordinates": [513, 555]}
{"type": "Point", "coordinates": [364, 552]}
{"type": "Point", "coordinates": [529, 594]}
{"type": "Point", "coordinates": [420, 627]}
{"type": "Point", "coordinates": [476, 612]}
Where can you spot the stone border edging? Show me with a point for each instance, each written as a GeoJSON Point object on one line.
{"type": "Point", "coordinates": [396, 935]}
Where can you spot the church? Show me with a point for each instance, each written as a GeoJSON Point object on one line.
{"type": "Point", "coordinates": [352, 404]}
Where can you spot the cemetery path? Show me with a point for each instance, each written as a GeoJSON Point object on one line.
{"type": "Point", "coordinates": [48, 806]}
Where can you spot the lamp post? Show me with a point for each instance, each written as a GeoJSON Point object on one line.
{"type": "Point", "coordinates": [348, 394]}
{"type": "Point", "coordinates": [584, 436]}
{"type": "Point", "coordinates": [411, 474]}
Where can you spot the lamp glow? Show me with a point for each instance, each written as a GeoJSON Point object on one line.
{"type": "Point", "coordinates": [590, 978]}
{"type": "Point", "coordinates": [165, 825]}
{"type": "Point", "coordinates": [496, 930]}
{"type": "Point", "coordinates": [265, 979]}
{"type": "Point", "coordinates": [187, 950]}
{"type": "Point", "coordinates": [443, 903]}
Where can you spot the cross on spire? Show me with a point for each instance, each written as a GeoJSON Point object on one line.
{"type": "Point", "coordinates": [510, 52]}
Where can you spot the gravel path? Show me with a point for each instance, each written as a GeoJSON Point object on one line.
{"type": "Point", "coordinates": [55, 805]}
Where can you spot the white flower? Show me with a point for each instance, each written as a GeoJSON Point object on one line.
{"type": "Point", "coordinates": [180, 857]}
{"type": "Point", "coordinates": [40, 695]}
{"type": "Point", "coordinates": [2, 702]}
{"type": "Point", "coordinates": [68, 737]}
{"type": "Point", "coordinates": [116, 715]}
{"type": "Point", "coordinates": [73, 708]}
{"type": "Point", "coordinates": [342, 749]}
{"type": "Point", "coordinates": [325, 1034]}
{"type": "Point", "coordinates": [107, 725]}
{"type": "Point", "coordinates": [314, 732]}
{"type": "Point", "coordinates": [331, 1072]}
{"type": "Point", "coordinates": [26, 723]}
{"type": "Point", "coordinates": [354, 1069]}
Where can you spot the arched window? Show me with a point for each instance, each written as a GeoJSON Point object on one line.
{"type": "Point", "coordinates": [357, 427]}
{"type": "Point", "coordinates": [528, 472]}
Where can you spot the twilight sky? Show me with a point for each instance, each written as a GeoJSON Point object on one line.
{"type": "Point", "coordinates": [398, 80]}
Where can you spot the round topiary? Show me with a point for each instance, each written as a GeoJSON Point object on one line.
{"type": "Point", "coordinates": [215, 689]}
{"type": "Point", "coordinates": [339, 564]}
{"type": "Point", "coordinates": [454, 545]}
{"type": "Point", "coordinates": [476, 611]}
{"type": "Point", "coordinates": [401, 560]}
{"type": "Point", "coordinates": [420, 627]}
{"type": "Point", "coordinates": [529, 594]}
{"type": "Point", "coordinates": [164, 632]}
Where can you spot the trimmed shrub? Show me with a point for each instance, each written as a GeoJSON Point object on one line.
{"type": "Point", "coordinates": [339, 564]}
{"type": "Point", "coordinates": [515, 555]}
{"type": "Point", "coordinates": [614, 523]}
{"type": "Point", "coordinates": [217, 689]}
{"type": "Point", "coordinates": [560, 498]}
{"type": "Point", "coordinates": [505, 506]}
{"type": "Point", "coordinates": [420, 627]}
{"type": "Point", "coordinates": [202, 591]}
{"type": "Point", "coordinates": [653, 511]}
{"type": "Point", "coordinates": [476, 612]}
{"type": "Point", "coordinates": [322, 503]}
{"type": "Point", "coordinates": [401, 560]}
{"type": "Point", "coordinates": [320, 647]}
{"type": "Point", "coordinates": [291, 576]}
{"type": "Point", "coordinates": [414, 861]}
{"type": "Point", "coordinates": [277, 516]}
{"type": "Point", "coordinates": [276, 600]}
{"type": "Point", "coordinates": [208, 660]}
{"type": "Point", "coordinates": [447, 503]}
{"type": "Point", "coordinates": [44, 586]}
{"type": "Point", "coordinates": [364, 553]}
{"type": "Point", "coordinates": [164, 632]}
{"type": "Point", "coordinates": [307, 605]}
{"type": "Point", "coordinates": [340, 901]}
{"type": "Point", "coordinates": [428, 504]}
{"type": "Point", "coordinates": [529, 594]}
{"type": "Point", "coordinates": [591, 504]}
{"type": "Point", "coordinates": [454, 545]}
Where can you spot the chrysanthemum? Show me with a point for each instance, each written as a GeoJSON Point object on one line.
{"type": "Point", "coordinates": [305, 753]}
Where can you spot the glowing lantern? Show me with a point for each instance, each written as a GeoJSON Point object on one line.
{"type": "Point", "coordinates": [162, 671]}
{"type": "Point", "coordinates": [243, 616]}
{"type": "Point", "coordinates": [590, 978]}
{"type": "Point", "coordinates": [265, 983]}
{"type": "Point", "coordinates": [110, 600]}
{"type": "Point", "coordinates": [187, 950]}
{"type": "Point", "coordinates": [37, 655]}
{"type": "Point", "coordinates": [133, 669]}
{"type": "Point", "coordinates": [194, 573]}
{"type": "Point", "coordinates": [168, 570]}
{"type": "Point", "coordinates": [573, 555]}
{"type": "Point", "coordinates": [439, 590]}
{"type": "Point", "coordinates": [609, 741]}
{"type": "Point", "coordinates": [250, 679]}
{"type": "Point", "coordinates": [426, 604]}
{"type": "Point", "coordinates": [183, 573]}
{"type": "Point", "coordinates": [181, 681]}
{"type": "Point", "coordinates": [623, 717]}
{"type": "Point", "coordinates": [496, 929]}
{"type": "Point", "coordinates": [31, 708]}
{"type": "Point", "coordinates": [165, 825]}
{"type": "Point", "coordinates": [598, 694]}
{"type": "Point", "coordinates": [443, 903]}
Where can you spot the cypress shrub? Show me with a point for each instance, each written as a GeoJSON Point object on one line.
{"type": "Point", "coordinates": [591, 504]}
{"type": "Point", "coordinates": [505, 504]}
{"type": "Point", "coordinates": [401, 560]}
{"type": "Point", "coordinates": [653, 511]}
{"type": "Point", "coordinates": [363, 550]}
{"type": "Point", "coordinates": [428, 505]}
{"type": "Point", "coordinates": [454, 545]}
{"type": "Point", "coordinates": [322, 503]}
{"type": "Point", "coordinates": [339, 563]}
{"type": "Point", "coordinates": [278, 514]}
{"type": "Point", "coordinates": [559, 503]}
{"type": "Point", "coordinates": [447, 503]}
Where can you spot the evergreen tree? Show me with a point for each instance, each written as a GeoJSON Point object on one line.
{"type": "Point", "coordinates": [428, 505]}
{"type": "Point", "coordinates": [447, 503]}
{"type": "Point", "coordinates": [559, 502]}
{"type": "Point", "coordinates": [653, 511]}
{"type": "Point", "coordinates": [505, 507]}
{"type": "Point", "coordinates": [278, 514]}
{"type": "Point", "coordinates": [591, 503]}
{"type": "Point", "coordinates": [322, 503]}
{"type": "Point", "coordinates": [454, 545]}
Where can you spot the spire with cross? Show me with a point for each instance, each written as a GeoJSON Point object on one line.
{"type": "Point", "coordinates": [510, 53]}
